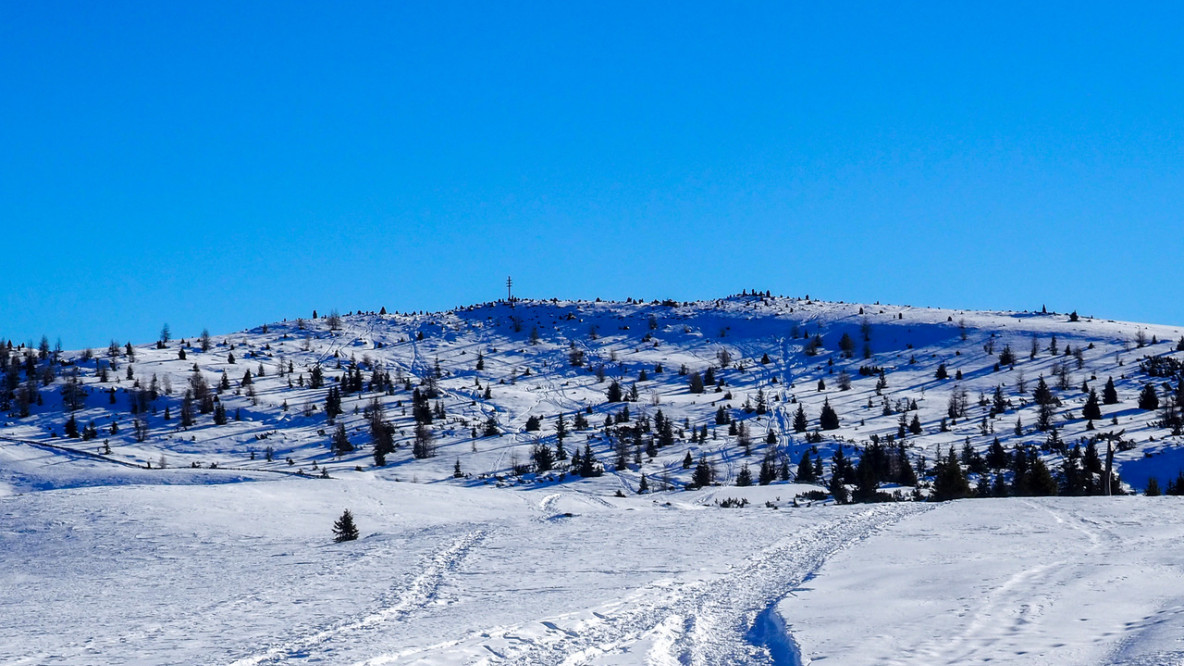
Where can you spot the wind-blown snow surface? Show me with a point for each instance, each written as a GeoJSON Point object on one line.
{"type": "Point", "coordinates": [103, 560]}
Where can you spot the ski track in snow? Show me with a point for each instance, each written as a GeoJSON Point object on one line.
{"type": "Point", "coordinates": [696, 622]}
{"type": "Point", "coordinates": [421, 591]}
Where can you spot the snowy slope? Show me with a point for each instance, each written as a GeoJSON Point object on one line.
{"type": "Point", "coordinates": [225, 557]}
{"type": "Point", "coordinates": [907, 343]}
{"type": "Point", "coordinates": [245, 574]}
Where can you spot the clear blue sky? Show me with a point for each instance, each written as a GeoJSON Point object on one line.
{"type": "Point", "coordinates": [224, 164]}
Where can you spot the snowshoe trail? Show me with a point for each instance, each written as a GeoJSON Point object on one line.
{"type": "Point", "coordinates": [422, 590]}
{"type": "Point", "coordinates": [705, 622]}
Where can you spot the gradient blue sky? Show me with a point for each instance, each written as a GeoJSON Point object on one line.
{"type": "Point", "coordinates": [224, 164]}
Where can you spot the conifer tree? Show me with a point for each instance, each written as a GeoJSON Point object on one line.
{"type": "Point", "coordinates": [340, 443]}
{"type": "Point", "coordinates": [702, 475]}
{"type": "Point", "coordinates": [1152, 487]}
{"type": "Point", "coordinates": [1091, 461]}
{"type": "Point", "coordinates": [905, 474]}
{"type": "Point", "coordinates": [744, 478]}
{"type": "Point", "coordinates": [1072, 479]}
{"type": "Point", "coordinates": [998, 403]}
{"type": "Point", "coordinates": [805, 472]}
{"type": "Point", "coordinates": [866, 483]}
{"type": "Point", "coordinates": [828, 419]}
{"type": "Point", "coordinates": [1091, 410]}
{"type": "Point", "coordinates": [382, 436]}
{"type": "Point", "coordinates": [1042, 395]}
{"type": "Point", "coordinates": [589, 466]}
{"type": "Point", "coordinates": [837, 490]}
{"type": "Point", "coordinates": [560, 432]}
{"type": "Point", "coordinates": [768, 472]}
{"type": "Point", "coordinates": [799, 420]}
{"type": "Point", "coordinates": [344, 528]}
{"type": "Point", "coordinates": [1040, 481]}
{"type": "Point", "coordinates": [996, 456]}
{"type": "Point", "coordinates": [1109, 393]}
{"type": "Point", "coordinates": [614, 393]}
{"type": "Point", "coordinates": [1007, 356]}
{"type": "Point", "coordinates": [187, 410]}
{"type": "Point", "coordinates": [1148, 399]}
{"type": "Point", "coordinates": [846, 345]}
{"type": "Point", "coordinates": [491, 429]}
{"type": "Point", "coordinates": [423, 447]}
{"type": "Point", "coordinates": [543, 457]}
{"type": "Point", "coordinates": [949, 480]}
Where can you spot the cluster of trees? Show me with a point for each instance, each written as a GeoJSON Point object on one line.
{"type": "Point", "coordinates": [828, 418]}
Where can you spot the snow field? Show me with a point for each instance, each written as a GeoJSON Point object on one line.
{"type": "Point", "coordinates": [103, 560]}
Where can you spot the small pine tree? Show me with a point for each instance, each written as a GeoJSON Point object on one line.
{"type": "Point", "coordinates": [344, 528]}
{"type": "Point", "coordinates": [828, 419]}
{"type": "Point", "coordinates": [1152, 487]}
{"type": "Point", "coordinates": [1007, 356]}
{"type": "Point", "coordinates": [744, 478]}
{"type": "Point", "coordinates": [1109, 393]}
{"type": "Point", "coordinates": [949, 480]}
{"type": "Point", "coordinates": [806, 469]}
{"type": "Point", "coordinates": [702, 475]}
{"type": "Point", "coordinates": [799, 420]}
{"type": "Point", "coordinates": [340, 442]}
{"type": "Point", "coordinates": [1091, 410]}
{"type": "Point", "coordinates": [1148, 399]}
{"type": "Point", "coordinates": [614, 392]}
{"type": "Point", "coordinates": [838, 490]}
{"type": "Point", "coordinates": [768, 473]}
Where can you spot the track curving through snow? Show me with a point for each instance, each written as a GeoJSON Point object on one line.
{"type": "Point", "coordinates": [697, 622]}
{"type": "Point", "coordinates": [321, 645]}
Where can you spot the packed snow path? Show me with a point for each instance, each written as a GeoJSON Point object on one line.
{"type": "Point", "coordinates": [247, 573]}
{"type": "Point", "coordinates": [403, 599]}
{"type": "Point", "coordinates": [682, 621]}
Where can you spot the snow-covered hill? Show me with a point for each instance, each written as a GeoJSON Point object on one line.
{"type": "Point", "coordinates": [510, 363]}
{"type": "Point", "coordinates": [146, 540]}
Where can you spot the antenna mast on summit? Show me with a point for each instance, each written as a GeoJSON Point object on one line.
{"type": "Point", "coordinates": [509, 289]}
